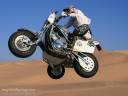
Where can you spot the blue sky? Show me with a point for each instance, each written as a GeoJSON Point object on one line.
{"type": "Point", "coordinates": [109, 20]}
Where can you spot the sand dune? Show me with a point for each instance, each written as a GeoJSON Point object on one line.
{"type": "Point", "coordinates": [29, 78]}
{"type": "Point", "coordinates": [124, 52]}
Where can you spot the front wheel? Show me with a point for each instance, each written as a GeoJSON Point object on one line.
{"type": "Point", "coordinates": [57, 72]}
{"type": "Point", "coordinates": [18, 44]}
{"type": "Point", "coordinates": [86, 67]}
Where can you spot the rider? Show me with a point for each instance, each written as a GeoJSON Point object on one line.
{"type": "Point", "coordinates": [79, 21]}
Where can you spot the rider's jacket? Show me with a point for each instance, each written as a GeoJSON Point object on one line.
{"type": "Point", "coordinates": [77, 19]}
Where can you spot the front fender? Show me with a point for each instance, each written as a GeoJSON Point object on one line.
{"type": "Point", "coordinates": [27, 30]}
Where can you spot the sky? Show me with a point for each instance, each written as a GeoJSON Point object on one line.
{"type": "Point", "coordinates": [109, 21]}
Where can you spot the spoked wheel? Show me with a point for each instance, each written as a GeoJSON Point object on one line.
{"type": "Point", "coordinates": [57, 72]}
{"type": "Point", "coordinates": [86, 67]}
{"type": "Point", "coordinates": [19, 44]}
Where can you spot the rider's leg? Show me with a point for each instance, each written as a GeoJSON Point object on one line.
{"type": "Point", "coordinates": [85, 32]}
{"type": "Point", "coordinates": [87, 36]}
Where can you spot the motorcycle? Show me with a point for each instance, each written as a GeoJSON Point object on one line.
{"type": "Point", "coordinates": [59, 51]}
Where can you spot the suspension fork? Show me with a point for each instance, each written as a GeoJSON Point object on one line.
{"type": "Point", "coordinates": [76, 55]}
{"type": "Point", "coordinates": [40, 36]}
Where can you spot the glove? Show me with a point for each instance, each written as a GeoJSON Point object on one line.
{"type": "Point", "coordinates": [64, 14]}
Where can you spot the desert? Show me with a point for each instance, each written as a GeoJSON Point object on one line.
{"type": "Point", "coordinates": [29, 78]}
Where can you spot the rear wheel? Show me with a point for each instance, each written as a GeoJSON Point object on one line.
{"type": "Point", "coordinates": [88, 67]}
{"type": "Point", "coordinates": [18, 44]}
{"type": "Point", "coordinates": [57, 72]}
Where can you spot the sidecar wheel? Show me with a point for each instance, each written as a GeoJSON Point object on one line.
{"type": "Point", "coordinates": [57, 72]}
{"type": "Point", "coordinates": [17, 44]}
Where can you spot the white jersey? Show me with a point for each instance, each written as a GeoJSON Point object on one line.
{"type": "Point", "coordinates": [77, 19]}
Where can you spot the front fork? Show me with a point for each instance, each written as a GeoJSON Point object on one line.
{"type": "Point", "coordinates": [39, 37]}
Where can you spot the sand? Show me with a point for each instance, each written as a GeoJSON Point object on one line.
{"type": "Point", "coordinates": [29, 78]}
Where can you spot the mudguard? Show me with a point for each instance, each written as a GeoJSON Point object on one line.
{"type": "Point", "coordinates": [24, 29]}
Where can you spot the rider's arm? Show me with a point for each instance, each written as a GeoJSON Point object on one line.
{"type": "Point", "coordinates": [71, 19]}
{"type": "Point", "coordinates": [73, 15]}
{"type": "Point", "coordinates": [60, 16]}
